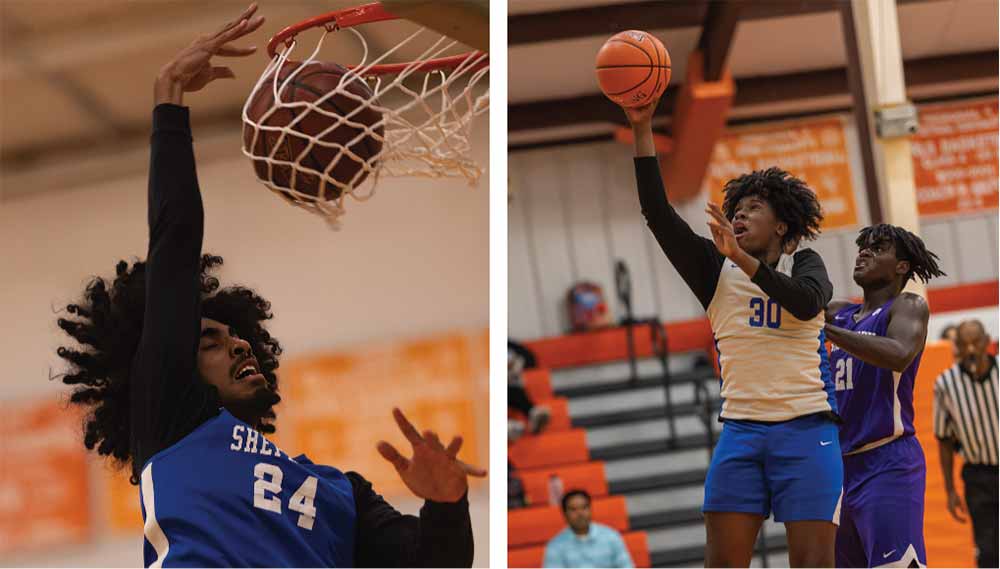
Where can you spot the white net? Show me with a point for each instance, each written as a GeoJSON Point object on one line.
{"type": "Point", "coordinates": [369, 124]}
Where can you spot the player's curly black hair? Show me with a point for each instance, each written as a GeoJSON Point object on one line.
{"type": "Point", "coordinates": [909, 247]}
{"type": "Point", "coordinates": [791, 199]}
{"type": "Point", "coordinates": [107, 323]}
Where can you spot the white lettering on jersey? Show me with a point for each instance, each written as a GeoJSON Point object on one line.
{"type": "Point", "coordinates": [237, 437]}
{"type": "Point", "coordinates": [264, 448]}
{"type": "Point", "coordinates": [252, 437]}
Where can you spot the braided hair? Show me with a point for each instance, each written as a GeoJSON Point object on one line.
{"type": "Point", "coordinates": [107, 325]}
{"type": "Point", "coordinates": [909, 247]}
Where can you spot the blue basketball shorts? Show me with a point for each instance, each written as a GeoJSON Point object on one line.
{"type": "Point", "coordinates": [882, 520]}
{"type": "Point", "coordinates": [793, 468]}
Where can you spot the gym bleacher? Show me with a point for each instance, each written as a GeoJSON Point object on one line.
{"type": "Point", "coordinates": [634, 432]}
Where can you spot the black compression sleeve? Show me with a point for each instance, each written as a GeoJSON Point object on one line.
{"type": "Point", "coordinates": [168, 400]}
{"type": "Point", "coordinates": [440, 537]}
{"type": "Point", "coordinates": [806, 292]}
{"type": "Point", "coordinates": [695, 257]}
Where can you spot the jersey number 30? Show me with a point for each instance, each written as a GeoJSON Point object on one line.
{"type": "Point", "coordinates": [765, 312]}
{"type": "Point", "coordinates": [268, 480]}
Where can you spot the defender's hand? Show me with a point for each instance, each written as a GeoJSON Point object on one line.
{"type": "Point", "coordinates": [722, 231]}
{"type": "Point", "coordinates": [432, 473]}
{"type": "Point", "coordinates": [192, 68]}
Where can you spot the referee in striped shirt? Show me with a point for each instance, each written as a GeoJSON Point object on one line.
{"type": "Point", "coordinates": [965, 418]}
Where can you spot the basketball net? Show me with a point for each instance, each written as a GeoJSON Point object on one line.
{"type": "Point", "coordinates": [427, 111]}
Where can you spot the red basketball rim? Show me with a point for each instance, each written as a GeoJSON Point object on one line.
{"type": "Point", "coordinates": [367, 14]}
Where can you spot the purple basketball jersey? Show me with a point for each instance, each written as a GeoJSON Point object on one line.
{"type": "Point", "coordinates": [875, 403]}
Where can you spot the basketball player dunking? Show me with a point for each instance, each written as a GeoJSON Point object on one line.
{"type": "Point", "coordinates": [778, 449]}
{"type": "Point", "coordinates": [178, 378]}
{"type": "Point", "coordinates": [876, 353]}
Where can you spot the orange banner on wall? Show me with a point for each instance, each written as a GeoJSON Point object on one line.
{"type": "Point", "coordinates": [339, 405]}
{"type": "Point", "coordinates": [955, 158]}
{"type": "Point", "coordinates": [814, 151]}
{"type": "Point", "coordinates": [44, 494]}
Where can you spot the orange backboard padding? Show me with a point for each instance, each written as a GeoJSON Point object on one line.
{"type": "Point", "coordinates": [535, 526]}
{"type": "Point", "coordinates": [550, 449]}
{"type": "Point", "coordinates": [949, 543]}
{"type": "Point", "coordinates": [636, 542]}
{"type": "Point", "coordinates": [538, 384]}
{"type": "Point", "coordinates": [609, 344]}
{"type": "Point", "coordinates": [589, 476]}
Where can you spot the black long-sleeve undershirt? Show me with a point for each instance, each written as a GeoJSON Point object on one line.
{"type": "Point", "coordinates": [698, 261]}
{"type": "Point", "coordinates": [169, 400]}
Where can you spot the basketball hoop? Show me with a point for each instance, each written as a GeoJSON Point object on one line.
{"type": "Point", "coordinates": [426, 107]}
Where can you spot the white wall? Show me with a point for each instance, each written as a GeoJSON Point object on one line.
{"type": "Point", "coordinates": [575, 210]}
{"type": "Point", "coordinates": [412, 261]}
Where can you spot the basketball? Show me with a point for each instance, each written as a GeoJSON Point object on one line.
{"type": "Point", "coordinates": [633, 68]}
{"type": "Point", "coordinates": [354, 146]}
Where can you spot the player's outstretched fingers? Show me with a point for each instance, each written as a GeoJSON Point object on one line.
{"type": "Point", "coordinates": [472, 470]}
{"type": "Point", "coordinates": [230, 50]}
{"type": "Point", "coordinates": [390, 453]}
{"type": "Point", "coordinates": [407, 428]}
{"type": "Point", "coordinates": [454, 446]}
{"type": "Point", "coordinates": [432, 439]}
{"type": "Point", "coordinates": [248, 12]}
{"type": "Point", "coordinates": [222, 73]}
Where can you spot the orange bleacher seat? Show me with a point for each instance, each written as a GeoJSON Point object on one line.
{"type": "Point", "coordinates": [550, 449]}
{"type": "Point", "coordinates": [538, 384]}
{"type": "Point", "coordinates": [533, 556]}
{"type": "Point", "coordinates": [537, 525]}
{"type": "Point", "coordinates": [589, 476]}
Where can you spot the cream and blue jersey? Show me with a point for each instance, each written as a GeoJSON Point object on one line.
{"type": "Point", "coordinates": [768, 329]}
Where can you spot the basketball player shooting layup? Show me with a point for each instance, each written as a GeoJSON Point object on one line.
{"type": "Point", "coordinates": [179, 380]}
{"type": "Point", "coordinates": [778, 449]}
{"type": "Point", "coordinates": [876, 353]}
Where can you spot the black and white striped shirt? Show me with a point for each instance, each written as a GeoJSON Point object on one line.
{"type": "Point", "coordinates": [965, 410]}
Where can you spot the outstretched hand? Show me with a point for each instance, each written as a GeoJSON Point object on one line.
{"type": "Point", "coordinates": [641, 115]}
{"type": "Point", "coordinates": [432, 473]}
{"type": "Point", "coordinates": [192, 68]}
{"type": "Point", "coordinates": [722, 231]}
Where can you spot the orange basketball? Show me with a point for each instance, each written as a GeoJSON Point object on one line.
{"type": "Point", "coordinates": [633, 68]}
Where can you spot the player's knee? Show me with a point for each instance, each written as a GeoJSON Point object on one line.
{"type": "Point", "coordinates": [816, 556]}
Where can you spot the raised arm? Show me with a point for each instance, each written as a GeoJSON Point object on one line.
{"type": "Point", "coordinates": [904, 338]}
{"type": "Point", "coordinates": [805, 292]}
{"type": "Point", "coordinates": [695, 258]}
{"type": "Point", "coordinates": [440, 537]}
{"type": "Point", "coordinates": [167, 399]}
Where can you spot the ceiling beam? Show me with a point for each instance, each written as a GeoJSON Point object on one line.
{"type": "Point", "coordinates": [753, 91]}
{"type": "Point", "coordinates": [647, 15]}
{"type": "Point", "coordinates": [717, 36]}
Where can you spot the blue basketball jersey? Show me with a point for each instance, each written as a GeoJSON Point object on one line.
{"type": "Point", "coordinates": [875, 403]}
{"type": "Point", "coordinates": [226, 496]}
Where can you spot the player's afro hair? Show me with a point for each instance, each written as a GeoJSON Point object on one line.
{"type": "Point", "coordinates": [909, 247]}
{"type": "Point", "coordinates": [107, 324]}
{"type": "Point", "coordinates": [791, 199]}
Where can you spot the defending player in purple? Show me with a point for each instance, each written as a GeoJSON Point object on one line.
{"type": "Point", "coordinates": [876, 352]}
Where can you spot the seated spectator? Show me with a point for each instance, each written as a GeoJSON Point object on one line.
{"type": "Point", "coordinates": [520, 358]}
{"type": "Point", "coordinates": [585, 543]}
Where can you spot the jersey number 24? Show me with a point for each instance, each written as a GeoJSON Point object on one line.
{"type": "Point", "coordinates": [268, 480]}
{"type": "Point", "coordinates": [765, 312]}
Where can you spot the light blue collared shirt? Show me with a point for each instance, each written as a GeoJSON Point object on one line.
{"type": "Point", "coordinates": [601, 547]}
